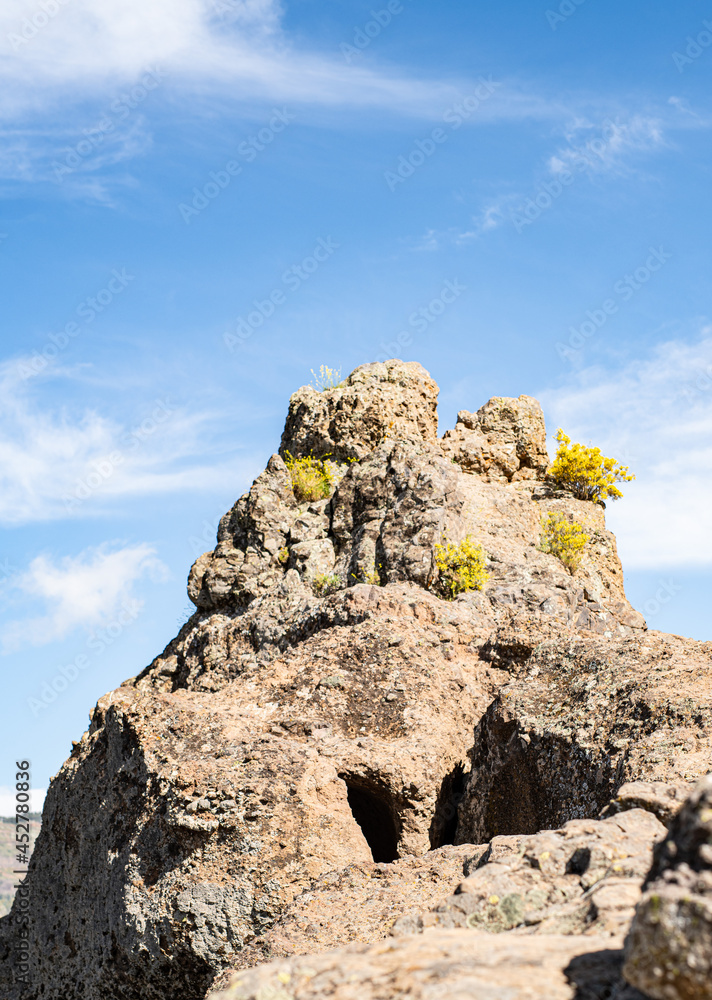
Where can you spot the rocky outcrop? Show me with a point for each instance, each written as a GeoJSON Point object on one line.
{"type": "Point", "coordinates": [669, 948]}
{"type": "Point", "coordinates": [504, 441]}
{"type": "Point", "coordinates": [585, 878]}
{"type": "Point", "coordinates": [395, 400]}
{"type": "Point", "coordinates": [286, 741]}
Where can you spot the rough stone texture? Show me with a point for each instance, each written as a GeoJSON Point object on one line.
{"type": "Point", "coordinates": [393, 399]}
{"type": "Point", "coordinates": [215, 788]}
{"type": "Point", "coordinates": [282, 737]}
{"type": "Point", "coordinates": [583, 879]}
{"type": "Point", "coordinates": [504, 441]}
{"type": "Point", "coordinates": [669, 949]}
{"type": "Point", "coordinates": [581, 716]}
{"type": "Point", "coordinates": [361, 903]}
{"type": "Point", "coordinates": [446, 965]}
{"type": "Point", "coordinates": [658, 797]}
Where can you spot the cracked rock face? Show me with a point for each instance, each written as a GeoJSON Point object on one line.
{"type": "Point", "coordinates": [669, 948]}
{"type": "Point", "coordinates": [504, 441]}
{"type": "Point", "coordinates": [393, 399]}
{"type": "Point", "coordinates": [287, 740]}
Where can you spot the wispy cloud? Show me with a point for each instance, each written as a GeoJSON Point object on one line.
{"type": "Point", "coordinates": [81, 592]}
{"type": "Point", "coordinates": [56, 464]}
{"type": "Point", "coordinates": [607, 147]}
{"type": "Point", "coordinates": [654, 414]}
{"type": "Point", "coordinates": [238, 47]}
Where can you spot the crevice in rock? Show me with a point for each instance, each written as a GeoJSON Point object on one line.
{"type": "Point", "coordinates": [373, 810]}
{"type": "Point", "coordinates": [443, 828]}
{"type": "Point", "coordinates": [526, 781]}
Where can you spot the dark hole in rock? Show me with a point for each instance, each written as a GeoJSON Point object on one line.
{"type": "Point", "coordinates": [443, 828]}
{"type": "Point", "coordinates": [374, 813]}
{"type": "Point", "coordinates": [579, 861]}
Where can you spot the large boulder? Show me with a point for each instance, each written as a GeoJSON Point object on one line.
{"type": "Point", "coordinates": [504, 441]}
{"type": "Point", "coordinates": [669, 948]}
{"type": "Point", "coordinates": [391, 399]}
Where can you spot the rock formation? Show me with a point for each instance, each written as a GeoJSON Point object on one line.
{"type": "Point", "coordinates": [669, 949]}
{"type": "Point", "coordinates": [291, 749]}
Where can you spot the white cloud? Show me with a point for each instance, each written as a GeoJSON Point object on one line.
{"type": "Point", "coordinates": [85, 591]}
{"type": "Point", "coordinates": [654, 414]}
{"type": "Point", "coordinates": [238, 46]}
{"type": "Point", "coordinates": [54, 464]}
{"type": "Point", "coordinates": [8, 800]}
{"type": "Point", "coordinates": [608, 146]}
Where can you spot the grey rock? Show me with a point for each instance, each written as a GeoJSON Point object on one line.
{"type": "Point", "coordinates": [669, 948]}
{"type": "Point", "coordinates": [393, 399]}
{"type": "Point", "coordinates": [658, 797]}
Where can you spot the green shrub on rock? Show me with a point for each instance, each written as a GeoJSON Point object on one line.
{"type": "Point", "coordinates": [325, 584]}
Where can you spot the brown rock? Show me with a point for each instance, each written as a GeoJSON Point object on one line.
{"type": "Point", "coordinates": [669, 948]}
{"type": "Point", "coordinates": [361, 903]}
{"type": "Point", "coordinates": [283, 737]}
{"type": "Point", "coordinates": [583, 879]}
{"type": "Point", "coordinates": [446, 965]}
{"type": "Point", "coordinates": [579, 717]}
{"type": "Point", "coordinates": [394, 399]}
{"type": "Point", "coordinates": [505, 440]}
{"type": "Point", "coordinates": [662, 799]}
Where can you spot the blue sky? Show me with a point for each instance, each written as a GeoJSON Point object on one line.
{"type": "Point", "coordinates": [203, 200]}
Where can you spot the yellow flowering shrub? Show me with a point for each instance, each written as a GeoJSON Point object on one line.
{"type": "Point", "coordinates": [311, 478]}
{"type": "Point", "coordinates": [585, 472]}
{"type": "Point", "coordinates": [462, 567]}
{"type": "Point", "coordinates": [563, 538]}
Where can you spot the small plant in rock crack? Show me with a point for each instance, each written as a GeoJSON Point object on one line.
{"type": "Point", "coordinates": [585, 472]}
{"type": "Point", "coordinates": [326, 583]}
{"type": "Point", "coordinates": [328, 378]}
{"type": "Point", "coordinates": [564, 538]}
{"type": "Point", "coordinates": [462, 567]}
{"type": "Point", "coordinates": [371, 576]}
{"type": "Point", "coordinates": [283, 556]}
{"type": "Point", "coordinates": [312, 478]}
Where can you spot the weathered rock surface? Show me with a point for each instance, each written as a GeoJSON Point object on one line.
{"type": "Point", "coordinates": [283, 739]}
{"type": "Point", "coordinates": [361, 903]}
{"type": "Point", "coordinates": [504, 441]}
{"type": "Point", "coordinates": [662, 799]}
{"type": "Point", "coordinates": [446, 965]}
{"type": "Point", "coordinates": [579, 717]}
{"type": "Point", "coordinates": [583, 879]}
{"type": "Point", "coordinates": [394, 399]}
{"type": "Point", "coordinates": [669, 948]}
